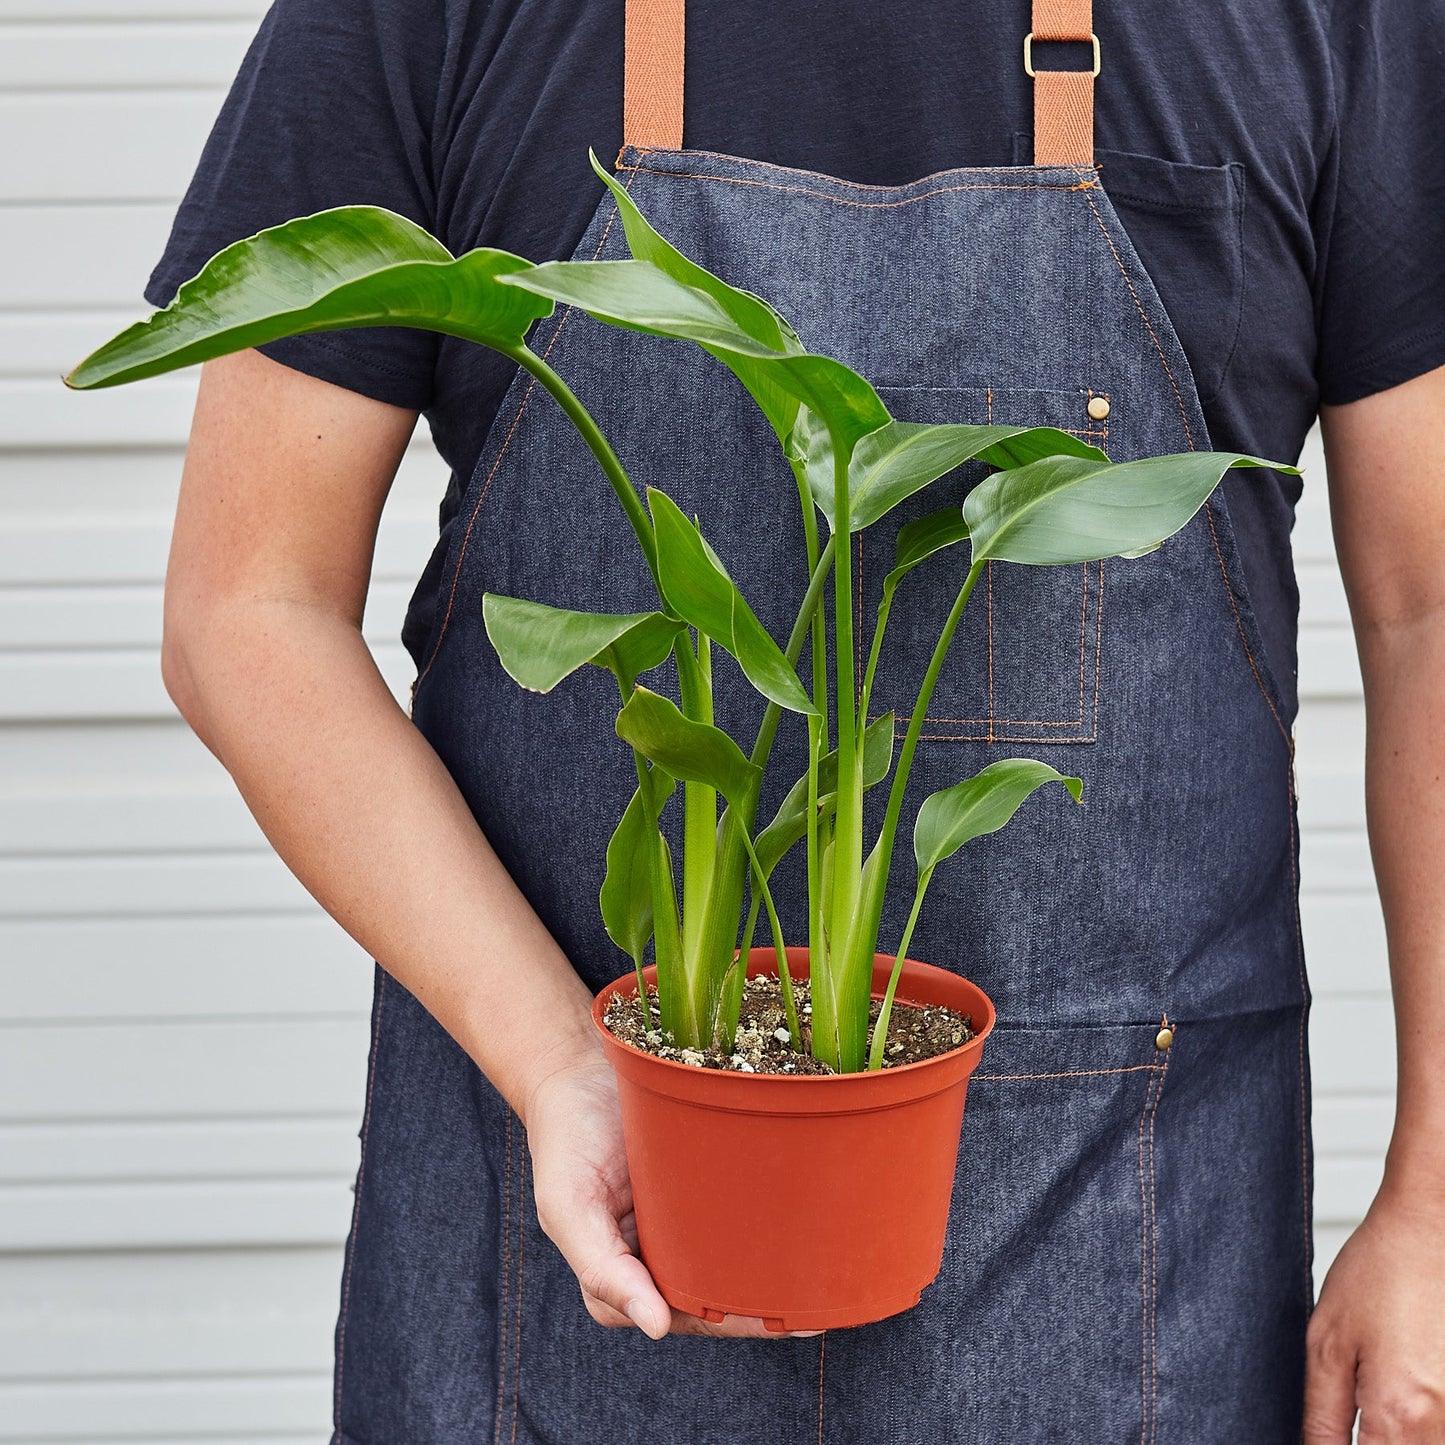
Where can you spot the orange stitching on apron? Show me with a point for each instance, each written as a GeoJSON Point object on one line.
{"type": "Point", "coordinates": [506, 1282]}
{"type": "Point", "coordinates": [1239, 627]}
{"type": "Point", "coordinates": [1148, 325]}
{"type": "Point", "coordinates": [644, 151]}
{"type": "Point", "coordinates": [992, 736]}
{"type": "Point", "coordinates": [1154, 1257]}
{"type": "Point", "coordinates": [1098, 645]}
{"type": "Point", "coordinates": [521, 1279]}
{"type": "Point", "coordinates": [1071, 722]}
{"type": "Point", "coordinates": [1148, 1268]}
{"type": "Point", "coordinates": [486, 485]}
{"type": "Point", "coordinates": [822, 1352]}
{"type": "Point", "coordinates": [1076, 1073]}
{"type": "Point", "coordinates": [1143, 1280]}
{"type": "Point", "coordinates": [1084, 639]}
{"type": "Point", "coordinates": [1086, 185]}
{"type": "Point", "coordinates": [356, 1203]}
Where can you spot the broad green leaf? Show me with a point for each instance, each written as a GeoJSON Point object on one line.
{"type": "Point", "coordinates": [693, 751]}
{"type": "Point", "coordinates": [790, 822]}
{"type": "Point", "coordinates": [349, 266]}
{"type": "Point", "coordinates": [639, 296]}
{"type": "Point", "coordinates": [698, 589]}
{"type": "Point", "coordinates": [642, 296]}
{"type": "Point", "coordinates": [752, 314]}
{"type": "Point", "coordinates": [892, 463]}
{"type": "Point", "coordinates": [540, 645]}
{"type": "Point", "coordinates": [626, 896]}
{"type": "Point", "coordinates": [1070, 509]}
{"type": "Point", "coordinates": [921, 538]}
{"type": "Point", "coordinates": [640, 648]}
{"type": "Point", "coordinates": [978, 805]}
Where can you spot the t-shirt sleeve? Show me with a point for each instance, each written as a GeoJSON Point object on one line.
{"type": "Point", "coordinates": [1381, 296]}
{"type": "Point", "coordinates": [334, 104]}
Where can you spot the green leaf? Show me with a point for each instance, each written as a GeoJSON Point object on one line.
{"type": "Point", "coordinates": [921, 538]}
{"type": "Point", "coordinates": [626, 896]}
{"type": "Point", "coordinates": [642, 296]}
{"type": "Point", "coordinates": [697, 588]}
{"type": "Point", "coordinates": [640, 648]}
{"type": "Point", "coordinates": [540, 645]}
{"type": "Point", "coordinates": [1069, 509]}
{"type": "Point", "coordinates": [892, 463]}
{"type": "Point", "coordinates": [693, 751]}
{"type": "Point", "coordinates": [978, 805]}
{"type": "Point", "coordinates": [790, 822]}
{"type": "Point", "coordinates": [754, 316]}
{"type": "Point", "coordinates": [349, 266]}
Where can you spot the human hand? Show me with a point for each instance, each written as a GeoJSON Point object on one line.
{"type": "Point", "coordinates": [584, 1205]}
{"type": "Point", "coordinates": [1376, 1340]}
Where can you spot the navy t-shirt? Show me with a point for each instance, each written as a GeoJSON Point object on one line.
{"type": "Point", "coordinates": [1277, 163]}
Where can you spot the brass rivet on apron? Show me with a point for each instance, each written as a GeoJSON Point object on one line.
{"type": "Point", "coordinates": [1098, 407]}
{"type": "Point", "coordinates": [1164, 1037]}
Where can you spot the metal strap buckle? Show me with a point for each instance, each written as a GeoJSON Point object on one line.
{"type": "Point", "coordinates": [1029, 56]}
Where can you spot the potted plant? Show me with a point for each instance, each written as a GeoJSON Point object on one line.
{"type": "Point", "coordinates": [745, 1171]}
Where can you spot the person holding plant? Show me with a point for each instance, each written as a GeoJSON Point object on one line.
{"type": "Point", "coordinates": [1130, 1248]}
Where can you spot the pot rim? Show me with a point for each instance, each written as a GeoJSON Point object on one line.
{"type": "Point", "coordinates": [913, 969]}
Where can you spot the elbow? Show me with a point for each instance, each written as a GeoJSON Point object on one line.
{"type": "Point", "coordinates": [178, 677]}
{"type": "Point", "coordinates": [183, 655]}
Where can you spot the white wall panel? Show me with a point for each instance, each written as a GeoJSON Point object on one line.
{"type": "Point", "coordinates": [154, 139]}
{"type": "Point", "coordinates": [183, 1033]}
{"type": "Point", "coordinates": [124, 55]}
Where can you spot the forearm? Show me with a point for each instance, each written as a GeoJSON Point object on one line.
{"type": "Point", "coordinates": [1404, 666]}
{"type": "Point", "coordinates": [364, 813]}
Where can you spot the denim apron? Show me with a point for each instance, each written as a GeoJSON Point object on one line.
{"type": "Point", "coordinates": [1128, 1255]}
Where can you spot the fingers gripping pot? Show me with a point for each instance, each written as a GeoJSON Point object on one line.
{"type": "Point", "coordinates": [812, 1202]}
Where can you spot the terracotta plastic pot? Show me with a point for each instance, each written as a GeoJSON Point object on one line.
{"type": "Point", "coordinates": [811, 1202]}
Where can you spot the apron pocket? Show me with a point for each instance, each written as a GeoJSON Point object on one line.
{"type": "Point", "coordinates": [1040, 1325]}
{"type": "Point", "coordinates": [1023, 666]}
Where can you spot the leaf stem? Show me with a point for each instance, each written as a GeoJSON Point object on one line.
{"type": "Point", "coordinates": [600, 447]}
{"type": "Point", "coordinates": [883, 849]}
{"type": "Point", "coordinates": [785, 978]}
{"type": "Point", "coordinates": [880, 1029]}
{"type": "Point", "coordinates": [720, 928]}
{"type": "Point", "coordinates": [885, 605]}
{"type": "Point", "coordinates": [848, 816]}
{"type": "Point", "coordinates": [699, 803]}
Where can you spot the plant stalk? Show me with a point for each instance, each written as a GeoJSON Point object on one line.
{"type": "Point", "coordinates": [880, 1029]}
{"type": "Point", "coordinates": [600, 448]}
{"type": "Point", "coordinates": [883, 850]}
{"type": "Point", "coordinates": [848, 817]}
{"type": "Point", "coordinates": [720, 928]}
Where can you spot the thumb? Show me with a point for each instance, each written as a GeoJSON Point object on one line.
{"type": "Point", "coordinates": [1329, 1403]}
{"type": "Point", "coordinates": [616, 1286]}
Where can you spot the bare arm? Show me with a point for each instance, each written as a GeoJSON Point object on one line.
{"type": "Point", "coordinates": [281, 495]}
{"type": "Point", "coordinates": [280, 499]}
{"type": "Point", "coordinates": [1377, 1340]}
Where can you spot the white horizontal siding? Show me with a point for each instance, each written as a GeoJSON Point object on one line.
{"type": "Point", "coordinates": [182, 1032]}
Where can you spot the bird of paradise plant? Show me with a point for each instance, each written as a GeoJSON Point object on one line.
{"type": "Point", "coordinates": [1050, 499]}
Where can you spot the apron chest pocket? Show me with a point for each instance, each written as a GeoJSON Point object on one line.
{"type": "Point", "coordinates": [1023, 666]}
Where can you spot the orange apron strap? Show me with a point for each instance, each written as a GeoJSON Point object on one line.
{"type": "Point", "coordinates": [1063, 99]}
{"type": "Point", "coordinates": [652, 74]}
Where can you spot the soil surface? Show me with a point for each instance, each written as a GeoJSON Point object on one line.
{"type": "Point", "coordinates": [762, 1044]}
